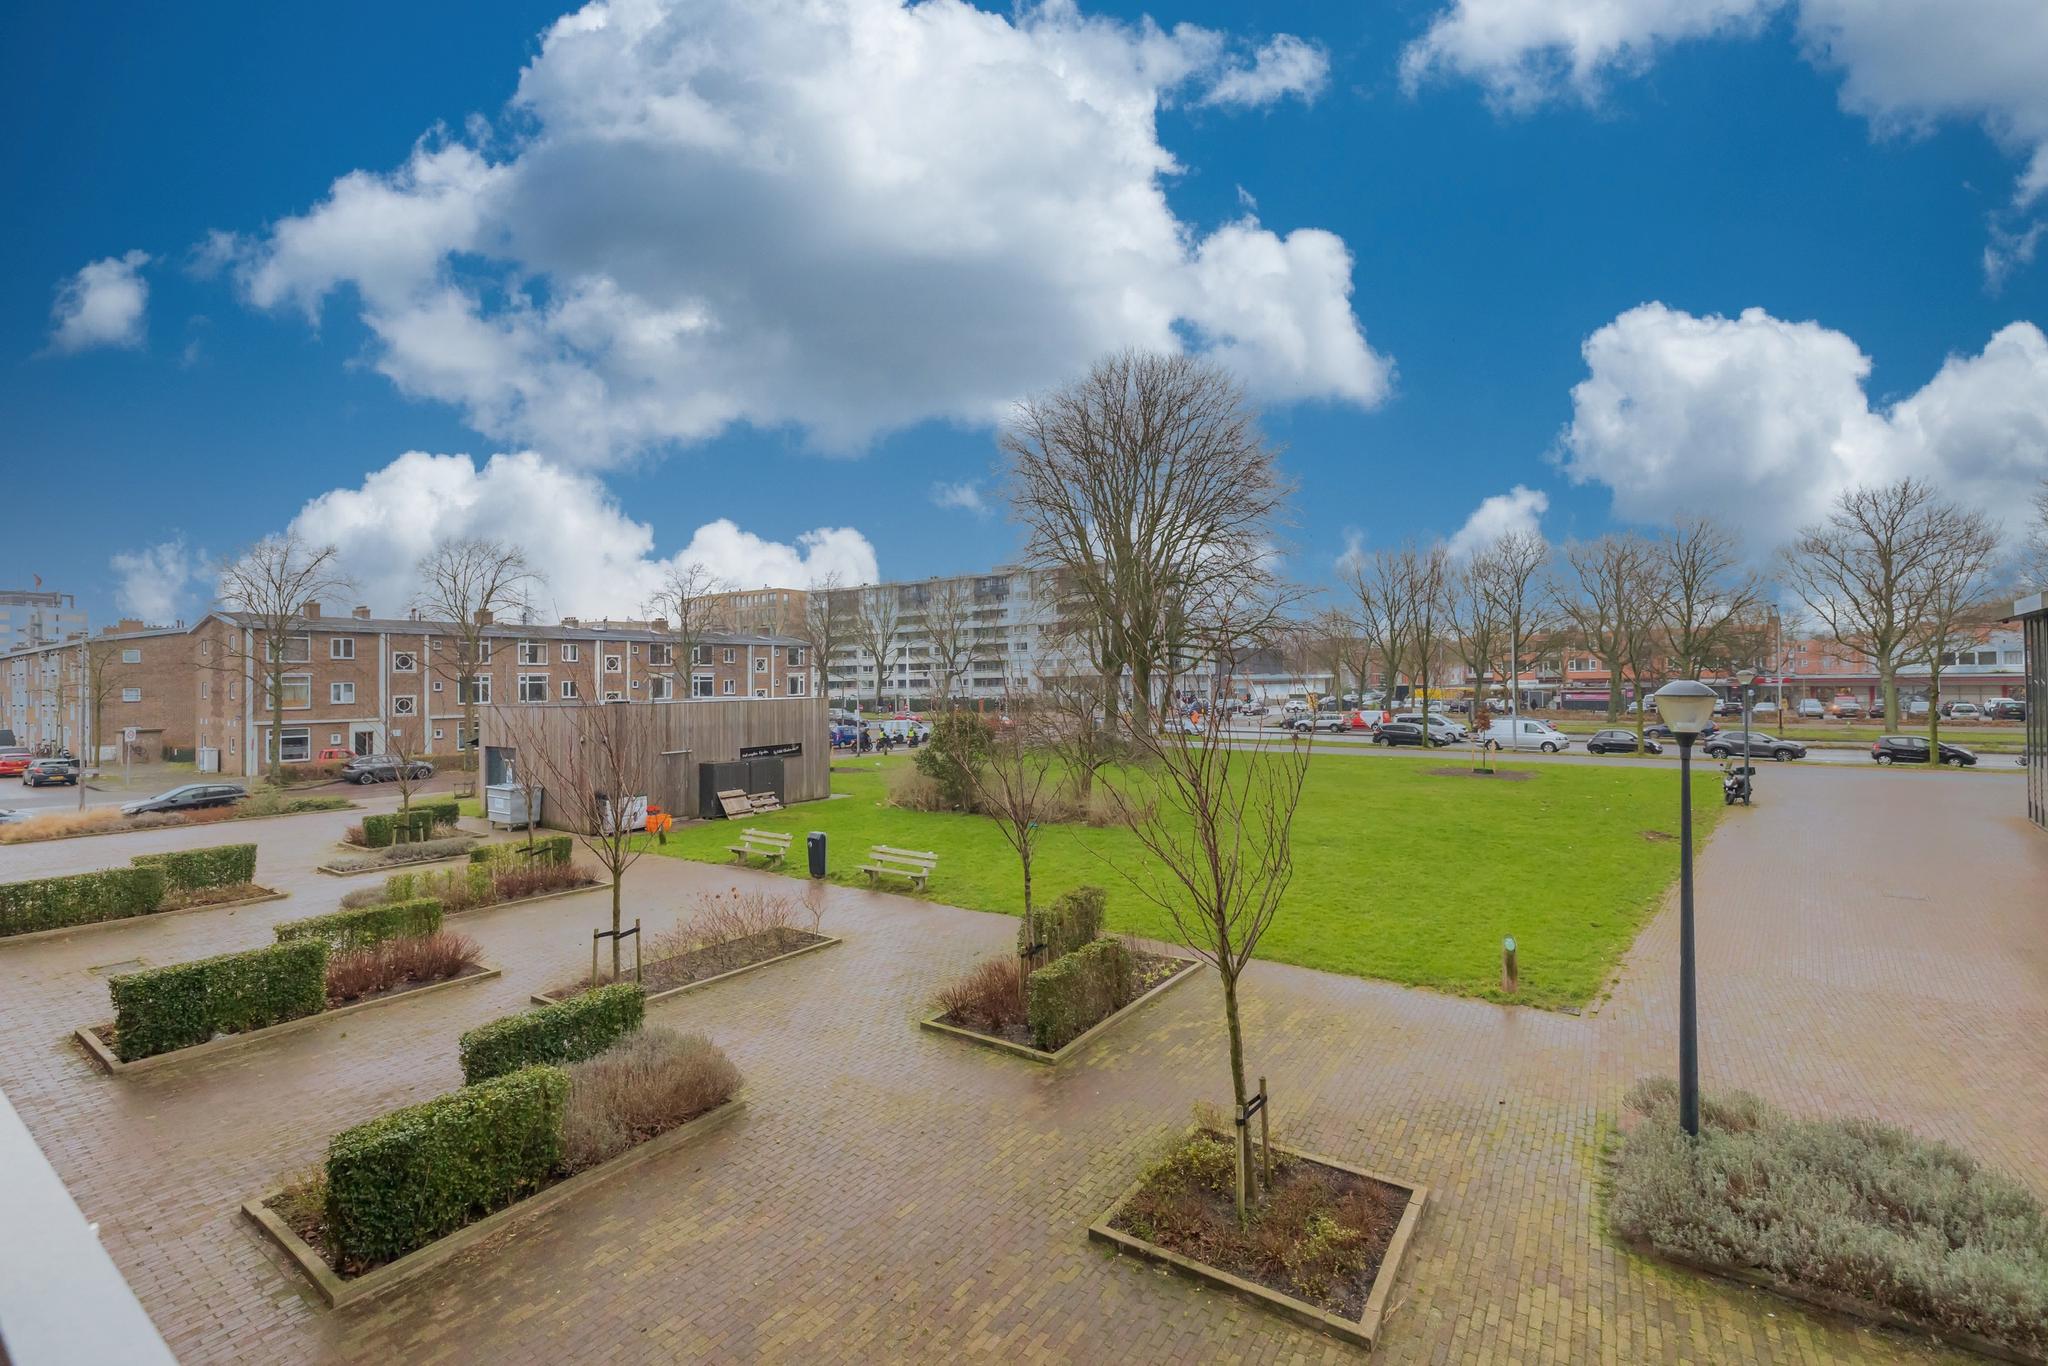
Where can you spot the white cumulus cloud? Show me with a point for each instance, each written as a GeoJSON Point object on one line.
{"type": "Point", "coordinates": [964, 496]}
{"type": "Point", "coordinates": [595, 560]}
{"type": "Point", "coordinates": [837, 216]}
{"type": "Point", "coordinates": [1520, 509]}
{"type": "Point", "coordinates": [1761, 422]}
{"type": "Point", "coordinates": [102, 305]}
{"type": "Point", "coordinates": [160, 583]}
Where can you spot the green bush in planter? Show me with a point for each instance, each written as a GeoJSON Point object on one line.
{"type": "Point", "coordinates": [1072, 920]}
{"type": "Point", "coordinates": [358, 929]}
{"type": "Point", "coordinates": [192, 870]}
{"type": "Point", "coordinates": [567, 1031]}
{"type": "Point", "coordinates": [50, 903]}
{"type": "Point", "coordinates": [161, 1009]}
{"type": "Point", "coordinates": [406, 1178]}
{"type": "Point", "coordinates": [1066, 998]}
{"type": "Point", "coordinates": [555, 849]}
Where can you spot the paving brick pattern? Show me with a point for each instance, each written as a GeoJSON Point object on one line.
{"type": "Point", "coordinates": [1870, 943]}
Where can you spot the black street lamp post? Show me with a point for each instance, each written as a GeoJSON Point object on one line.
{"type": "Point", "coordinates": [1686, 705]}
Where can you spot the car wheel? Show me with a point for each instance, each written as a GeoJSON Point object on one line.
{"type": "Point", "coordinates": [1954, 759]}
{"type": "Point", "coordinates": [1884, 758]}
{"type": "Point", "coordinates": [1549, 748]}
{"type": "Point", "coordinates": [1782, 755]}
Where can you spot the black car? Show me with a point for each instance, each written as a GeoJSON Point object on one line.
{"type": "Point", "coordinates": [1661, 731]}
{"type": "Point", "coordinates": [382, 768]}
{"type": "Point", "coordinates": [43, 772]}
{"type": "Point", "coordinates": [1912, 749]}
{"type": "Point", "coordinates": [2005, 709]}
{"type": "Point", "coordinates": [1729, 743]}
{"type": "Point", "coordinates": [190, 797]}
{"type": "Point", "coordinates": [1405, 733]}
{"type": "Point", "coordinates": [1619, 742]}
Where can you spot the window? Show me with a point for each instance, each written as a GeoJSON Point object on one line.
{"type": "Point", "coordinates": [614, 696]}
{"type": "Point", "coordinates": [437, 685]}
{"type": "Point", "coordinates": [131, 656]}
{"type": "Point", "coordinates": [635, 649]}
{"type": "Point", "coordinates": [760, 692]}
{"type": "Point", "coordinates": [404, 704]}
{"type": "Point", "coordinates": [796, 685]}
{"type": "Point", "coordinates": [438, 733]}
{"type": "Point", "coordinates": [131, 694]}
{"type": "Point", "coordinates": [571, 653]}
{"type": "Point", "coordinates": [533, 652]}
{"type": "Point", "coordinates": [569, 692]}
{"type": "Point", "coordinates": [700, 685]}
{"type": "Point", "coordinates": [477, 690]}
{"type": "Point", "coordinates": [634, 685]}
{"type": "Point", "coordinates": [206, 648]}
{"type": "Point", "coordinates": [298, 690]}
{"type": "Point", "coordinates": [404, 662]}
{"type": "Point", "coordinates": [333, 737]}
{"type": "Point", "coordinates": [205, 689]}
{"type": "Point", "coordinates": [728, 688]}
{"type": "Point", "coordinates": [700, 654]}
{"type": "Point", "coordinates": [341, 647]}
{"type": "Point", "coordinates": [760, 665]}
{"type": "Point", "coordinates": [661, 688]}
{"type": "Point", "coordinates": [612, 664]}
{"type": "Point", "coordinates": [339, 693]}
{"type": "Point", "coordinates": [298, 650]}
{"type": "Point", "coordinates": [483, 651]}
{"type": "Point", "coordinates": [731, 655]}
{"type": "Point", "coordinates": [533, 687]}
{"type": "Point", "coordinates": [663, 655]}
{"type": "Point", "coordinates": [796, 655]}
{"type": "Point", "coordinates": [297, 746]}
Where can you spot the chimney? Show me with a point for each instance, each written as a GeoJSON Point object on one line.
{"type": "Point", "coordinates": [659, 624]}
{"type": "Point", "coordinates": [361, 614]}
{"type": "Point", "coordinates": [312, 612]}
{"type": "Point", "coordinates": [571, 622]}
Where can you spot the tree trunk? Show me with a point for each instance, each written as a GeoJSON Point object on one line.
{"type": "Point", "coordinates": [617, 921]}
{"type": "Point", "coordinates": [1613, 692]}
{"type": "Point", "coordinates": [1141, 697]}
{"type": "Point", "coordinates": [1024, 857]}
{"type": "Point", "coordinates": [1237, 1086]}
{"type": "Point", "coordinates": [1888, 690]}
{"type": "Point", "coordinates": [1934, 709]}
{"type": "Point", "coordinates": [277, 727]}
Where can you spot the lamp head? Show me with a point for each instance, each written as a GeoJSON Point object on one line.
{"type": "Point", "coordinates": [1745, 677]}
{"type": "Point", "coordinates": [1686, 704]}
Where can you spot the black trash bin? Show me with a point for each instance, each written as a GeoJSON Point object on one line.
{"type": "Point", "coordinates": [815, 844]}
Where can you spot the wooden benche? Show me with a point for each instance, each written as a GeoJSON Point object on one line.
{"type": "Point", "coordinates": [914, 865]}
{"type": "Point", "coordinates": [766, 843]}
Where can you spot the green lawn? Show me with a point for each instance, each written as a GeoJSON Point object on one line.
{"type": "Point", "coordinates": [1400, 873]}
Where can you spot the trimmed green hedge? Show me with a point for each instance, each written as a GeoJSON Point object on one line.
{"type": "Point", "coordinates": [192, 870]}
{"type": "Point", "coordinates": [1066, 998]}
{"type": "Point", "coordinates": [1072, 920]}
{"type": "Point", "coordinates": [567, 1031]}
{"type": "Point", "coordinates": [50, 903]}
{"type": "Point", "coordinates": [553, 849]}
{"type": "Point", "coordinates": [162, 1009]}
{"type": "Point", "coordinates": [417, 822]}
{"type": "Point", "coordinates": [404, 1179]}
{"type": "Point", "coordinates": [358, 929]}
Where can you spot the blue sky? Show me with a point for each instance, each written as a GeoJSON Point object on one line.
{"type": "Point", "coordinates": [715, 269]}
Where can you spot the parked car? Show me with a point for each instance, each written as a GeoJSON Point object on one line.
{"type": "Point", "coordinates": [1729, 742]}
{"type": "Point", "coordinates": [1912, 749]}
{"type": "Point", "coordinates": [1917, 708]}
{"type": "Point", "coordinates": [13, 762]}
{"type": "Point", "coordinates": [1334, 722]}
{"type": "Point", "coordinates": [50, 772]}
{"type": "Point", "coordinates": [1812, 708]}
{"type": "Point", "coordinates": [1441, 726]}
{"type": "Point", "coordinates": [1620, 742]}
{"type": "Point", "coordinates": [383, 768]}
{"type": "Point", "coordinates": [190, 797]}
{"type": "Point", "coordinates": [334, 754]}
{"type": "Point", "coordinates": [1961, 711]}
{"type": "Point", "coordinates": [1662, 731]}
{"type": "Point", "coordinates": [1524, 733]}
{"type": "Point", "coordinates": [1764, 709]}
{"type": "Point", "coordinates": [1845, 709]}
{"type": "Point", "coordinates": [9, 816]}
{"type": "Point", "coordinates": [1405, 733]}
{"type": "Point", "coordinates": [2005, 709]}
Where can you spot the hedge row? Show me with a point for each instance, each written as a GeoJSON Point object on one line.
{"type": "Point", "coordinates": [1064, 999]}
{"type": "Point", "coordinates": [49, 903]}
{"type": "Point", "coordinates": [553, 849]}
{"type": "Point", "coordinates": [161, 1009]}
{"type": "Point", "coordinates": [567, 1031]}
{"type": "Point", "coordinates": [417, 1174]}
{"type": "Point", "coordinates": [342, 931]}
{"type": "Point", "coordinates": [417, 822]}
{"type": "Point", "coordinates": [192, 870]}
{"type": "Point", "coordinates": [1068, 923]}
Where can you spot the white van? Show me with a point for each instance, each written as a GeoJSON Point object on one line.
{"type": "Point", "coordinates": [1524, 733]}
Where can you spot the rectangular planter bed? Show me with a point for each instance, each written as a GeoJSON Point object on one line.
{"type": "Point", "coordinates": [391, 867]}
{"type": "Point", "coordinates": [526, 900]}
{"type": "Point", "coordinates": [180, 825]}
{"type": "Point", "coordinates": [1362, 1330]}
{"type": "Point", "coordinates": [937, 1023]}
{"type": "Point", "coordinates": [101, 1053]}
{"type": "Point", "coordinates": [268, 895]}
{"type": "Point", "coordinates": [824, 942]}
{"type": "Point", "coordinates": [338, 1290]}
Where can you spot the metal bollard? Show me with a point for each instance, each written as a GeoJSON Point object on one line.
{"type": "Point", "coordinates": [1509, 978]}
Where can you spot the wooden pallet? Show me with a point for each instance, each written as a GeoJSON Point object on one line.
{"type": "Point", "coordinates": [764, 802]}
{"type": "Point", "coordinates": [736, 803]}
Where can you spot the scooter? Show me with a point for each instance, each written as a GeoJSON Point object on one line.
{"type": "Point", "coordinates": [1735, 783]}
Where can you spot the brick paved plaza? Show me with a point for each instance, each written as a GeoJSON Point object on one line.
{"type": "Point", "coordinates": [1871, 942]}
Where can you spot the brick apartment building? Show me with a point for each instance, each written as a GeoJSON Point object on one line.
{"type": "Point", "coordinates": [358, 681]}
{"type": "Point", "coordinates": [47, 693]}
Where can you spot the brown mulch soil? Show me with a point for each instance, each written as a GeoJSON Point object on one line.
{"type": "Point", "coordinates": [213, 896]}
{"type": "Point", "coordinates": [1148, 970]}
{"type": "Point", "coordinates": [664, 974]}
{"type": "Point", "coordinates": [1275, 1248]}
{"type": "Point", "coordinates": [403, 987]}
{"type": "Point", "coordinates": [1504, 775]}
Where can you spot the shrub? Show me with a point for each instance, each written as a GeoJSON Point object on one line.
{"type": "Point", "coordinates": [567, 1031]}
{"type": "Point", "coordinates": [161, 1009]}
{"type": "Point", "coordinates": [724, 917]}
{"type": "Point", "coordinates": [553, 849]}
{"type": "Point", "coordinates": [645, 1084]}
{"type": "Point", "coordinates": [346, 930]}
{"type": "Point", "coordinates": [1073, 919]}
{"type": "Point", "coordinates": [958, 746]}
{"type": "Point", "coordinates": [912, 789]}
{"type": "Point", "coordinates": [192, 870]}
{"type": "Point", "coordinates": [388, 963]}
{"type": "Point", "coordinates": [417, 1174]}
{"type": "Point", "coordinates": [1844, 1205]}
{"type": "Point", "coordinates": [457, 889]}
{"type": "Point", "coordinates": [1074, 991]}
{"type": "Point", "coordinates": [49, 903]}
{"type": "Point", "coordinates": [990, 996]}
{"type": "Point", "coordinates": [511, 884]}
{"type": "Point", "coordinates": [427, 851]}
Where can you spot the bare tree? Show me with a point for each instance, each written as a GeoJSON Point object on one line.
{"type": "Point", "coordinates": [590, 759]}
{"type": "Point", "coordinates": [1383, 614]}
{"type": "Point", "coordinates": [687, 601]}
{"type": "Point", "coordinates": [1220, 840]}
{"type": "Point", "coordinates": [1958, 580]}
{"type": "Point", "coordinates": [1139, 485]}
{"type": "Point", "coordinates": [1710, 601]}
{"type": "Point", "coordinates": [1866, 573]}
{"type": "Point", "coordinates": [402, 741]}
{"type": "Point", "coordinates": [1072, 709]}
{"type": "Point", "coordinates": [949, 627]}
{"type": "Point", "coordinates": [2034, 568]}
{"type": "Point", "coordinates": [465, 586]}
{"type": "Point", "coordinates": [95, 682]}
{"type": "Point", "coordinates": [1614, 602]}
{"type": "Point", "coordinates": [1478, 623]}
{"type": "Point", "coordinates": [1015, 782]}
{"type": "Point", "coordinates": [1332, 635]}
{"type": "Point", "coordinates": [268, 590]}
{"type": "Point", "coordinates": [829, 621]}
{"type": "Point", "coordinates": [1517, 562]}
{"type": "Point", "coordinates": [876, 624]}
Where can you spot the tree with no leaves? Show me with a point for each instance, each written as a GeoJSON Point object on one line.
{"type": "Point", "coordinates": [1478, 623]}
{"type": "Point", "coordinates": [95, 682]}
{"type": "Point", "coordinates": [1141, 485]}
{"type": "Point", "coordinates": [1867, 572]}
{"type": "Point", "coordinates": [465, 586]}
{"type": "Point", "coordinates": [949, 627]}
{"type": "Point", "coordinates": [1015, 782]}
{"type": "Point", "coordinates": [2034, 568]}
{"type": "Point", "coordinates": [1710, 600]}
{"type": "Point", "coordinates": [1383, 615]}
{"type": "Point", "coordinates": [267, 590]}
{"type": "Point", "coordinates": [1958, 581]}
{"type": "Point", "coordinates": [1616, 600]}
{"type": "Point", "coordinates": [829, 622]}
{"type": "Point", "coordinates": [1516, 562]}
{"type": "Point", "coordinates": [687, 601]}
{"type": "Point", "coordinates": [402, 741]}
{"type": "Point", "coordinates": [876, 624]}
